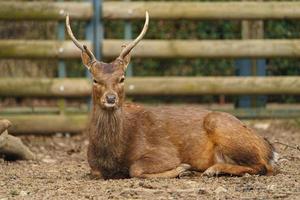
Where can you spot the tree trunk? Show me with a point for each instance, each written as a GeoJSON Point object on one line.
{"type": "Point", "coordinates": [12, 148]}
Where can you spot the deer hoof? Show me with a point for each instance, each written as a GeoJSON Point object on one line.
{"type": "Point", "coordinates": [184, 174]}
{"type": "Point", "coordinates": [185, 166]}
{"type": "Point", "coordinates": [95, 175]}
{"type": "Point", "coordinates": [183, 169]}
{"type": "Point", "coordinates": [210, 172]}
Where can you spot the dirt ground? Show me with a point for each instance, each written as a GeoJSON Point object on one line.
{"type": "Point", "coordinates": [62, 173]}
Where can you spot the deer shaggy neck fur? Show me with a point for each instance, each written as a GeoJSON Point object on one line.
{"type": "Point", "coordinates": [108, 140]}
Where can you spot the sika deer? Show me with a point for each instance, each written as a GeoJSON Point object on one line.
{"type": "Point", "coordinates": [128, 140]}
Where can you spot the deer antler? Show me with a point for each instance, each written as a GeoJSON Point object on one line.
{"type": "Point", "coordinates": [76, 42]}
{"type": "Point", "coordinates": [131, 45]}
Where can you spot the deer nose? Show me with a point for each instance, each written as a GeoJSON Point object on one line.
{"type": "Point", "coordinates": [111, 98]}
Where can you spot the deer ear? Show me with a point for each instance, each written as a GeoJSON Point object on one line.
{"type": "Point", "coordinates": [86, 60]}
{"type": "Point", "coordinates": [126, 61]}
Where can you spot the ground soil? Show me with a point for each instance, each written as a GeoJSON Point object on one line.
{"type": "Point", "coordinates": [63, 173]}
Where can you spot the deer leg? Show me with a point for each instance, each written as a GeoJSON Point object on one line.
{"type": "Point", "coordinates": [95, 174]}
{"type": "Point", "coordinates": [92, 160]}
{"type": "Point", "coordinates": [237, 170]}
{"type": "Point", "coordinates": [238, 149]}
{"type": "Point", "coordinates": [173, 173]}
{"type": "Point", "coordinates": [158, 165]}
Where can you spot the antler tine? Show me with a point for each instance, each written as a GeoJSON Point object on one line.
{"type": "Point", "coordinates": [131, 45]}
{"type": "Point", "coordinates": [71, 35]}
{"type": "Point", "coordinates": [76, 42]}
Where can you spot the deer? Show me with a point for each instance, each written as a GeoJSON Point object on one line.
{"type": "Point", "coordinates": [128, 140]}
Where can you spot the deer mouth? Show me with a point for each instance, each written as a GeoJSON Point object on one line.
{"type": "Point", "coordinates": [110, 105]}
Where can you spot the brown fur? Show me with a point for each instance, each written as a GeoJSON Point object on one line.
{"type": "Point", "coordinates": [129, 140]}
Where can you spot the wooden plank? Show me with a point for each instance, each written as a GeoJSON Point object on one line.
{"type": "Point", "coordinates": [213, 85]}
{"type": "Point", "coordinates": [38, 49]}
{"type": "Point", "coordinates": [251, 29]}
{"type": "Point", "coordinates": [17, 110]}
{"type": "Point", "coordinates": [207, 48]}
{"type": "Point", "coordinates": [19, 11]}
{"type": "Point", "coordinates": [41, 110]}
{"type": "Point", "coordinates": [13, 10]}
{"type": "Point", "coordinates": [149, 48]}
{"type": "Point", "coordinates": [44, 124]}
{"type": "Point", "coordinates": [67, 87]}
{"type": "Point", "coordinates": [201, 10]}
{"type": "Point", "coordinates": [78, 87]}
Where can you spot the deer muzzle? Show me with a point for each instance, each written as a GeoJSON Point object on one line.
{"type": "Point", "coordinates": [110, 100]}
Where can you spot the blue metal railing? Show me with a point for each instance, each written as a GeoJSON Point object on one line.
{"type": "Point", "coordinates": [61, 63]}
{"type": "Point", "coordinates": [128, 36]}
{"type": "Point", "coordinates": [94, 33]}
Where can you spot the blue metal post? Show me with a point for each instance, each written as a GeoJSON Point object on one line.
{"type": "Point", "coordinates": [61, 64]}
{"type": "Point", "coordinates": [94, 30]}
{"type": "Point", "coordinates": [94, 33]}
{"type": "Point", "coordinates": [61, 36]}
{"type": "Point", "coordinates": [89, 36]}
{"type": "Point", "coordinates": [245, 68]}
{"type": "Point", "coordinates": [97, 28]}
{"type": "Point", "coordinates": [261, 70]}
{"type": "Point", "coordinates": [128, 36]}
{"type": "Point", "coordinates": [251, 67]}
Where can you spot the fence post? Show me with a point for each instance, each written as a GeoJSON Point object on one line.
{"type": "Point", "coordinates": [94, 33]}
{"type": "Point", "coordinates": [254, 67]}
{"type": "Point", "coordinates": [97, 28]}
{"type": "Point", "coordinates": [61, 63]}
{"type": "Point", "coordinates": [128, 36]}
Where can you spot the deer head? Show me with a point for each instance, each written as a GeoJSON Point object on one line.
{"type": "Point", "coordinates": [108, 78]}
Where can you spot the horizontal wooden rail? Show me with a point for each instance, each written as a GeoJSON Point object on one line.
{"type": "Point", "coordinates": [154, 86]}
{"type": "Point", "coordinates": [75, 123]}
{"type": "Point", "coordinates": [45, 124]}
{"type": "Point", "coordinates": [38, 49]}
{"type": "Point", "coordinates": [13, 10]}
{"type": "Point", "coordinates": [83, 109]}
{"type": "Point", "coordinates": [156, 48]}
{"type": "Point", "coordinates": [202, 10]}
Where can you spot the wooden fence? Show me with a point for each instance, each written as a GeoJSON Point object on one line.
{"type": "Point", "coordinates": [159, 10]}
{"type": "Point", "coordinates": [35, 49]}
{"type": "Point", "coordinates": [148, 48]}
{"type": "Point", "coordinates": [76, 87]}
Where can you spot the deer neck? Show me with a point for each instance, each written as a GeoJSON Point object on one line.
{"type": "Point", "coordinates": [108, 124]}
{"type": "Point", "coordinates": [107, 135]}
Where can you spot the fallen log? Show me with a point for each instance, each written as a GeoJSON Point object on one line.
{"type": "Point", "coordinates": [11, 147]}
{"type": "Point", "coordinates": [4, 124]}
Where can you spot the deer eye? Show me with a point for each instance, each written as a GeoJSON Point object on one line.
{"type": "Point", "coordinates": [122, 79]}
{"type": "Point", "coordinates": [95, 82]}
